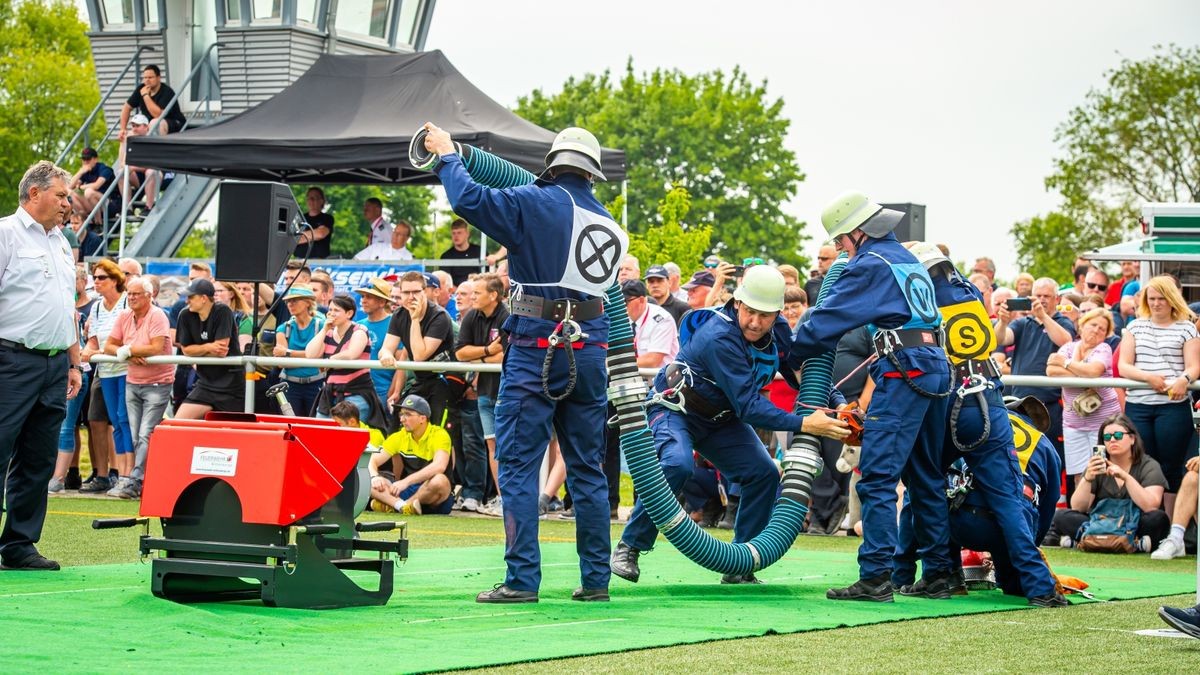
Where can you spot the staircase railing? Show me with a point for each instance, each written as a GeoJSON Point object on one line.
{"type": "Point", "coordinates": [87, 124]}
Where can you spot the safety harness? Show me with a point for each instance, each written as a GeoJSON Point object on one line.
{"type": "Point", "coordinates": [567, 333]}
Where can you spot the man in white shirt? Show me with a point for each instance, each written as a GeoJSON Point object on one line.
{"type": "Point", "coordinates": [655, 337]}
{"type": "Point", "coordinates": [381, 229]}
{"type": "Point", "coordinates": [396, 248]}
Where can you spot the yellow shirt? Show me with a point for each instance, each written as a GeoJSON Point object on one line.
{"type": "Point", "coordinates": [418, 453]}
{"type": "Point", "coordinates": [376, 435]}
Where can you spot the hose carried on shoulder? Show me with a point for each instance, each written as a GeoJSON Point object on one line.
{"type": "Point", "coordinates": [628, 391]}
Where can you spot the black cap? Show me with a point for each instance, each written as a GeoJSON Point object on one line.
{"type": "Point", "coordinates": [89, 153]}
{"type": "Point", "coordinates": [657, 272]}
{"type": "Point", "coordinates": [633, 288]}
{"type": "Point", "coordinates": [199, 287]}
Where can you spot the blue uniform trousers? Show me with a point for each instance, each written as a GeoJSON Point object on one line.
{"type": "Point", "coordinates": [902, 440]}
{"type": "Point", "coordinates": [523, 418]}
{"type": "Point", "coordinates": [732, 447]}
{"type": "Point", "coordinates": [975, 528]}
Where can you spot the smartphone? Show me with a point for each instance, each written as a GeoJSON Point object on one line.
{"type": "Point", "coordinates": [1019, 304]}
{"type": "Point", "coordinates": [739, 271]}
{"type": "Point", "coordinates": [1100, 452]}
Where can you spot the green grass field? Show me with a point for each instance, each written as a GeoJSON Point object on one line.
{"type": "Point", "coordinates": [1089, 638]}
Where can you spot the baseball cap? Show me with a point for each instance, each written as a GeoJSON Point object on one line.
{"type": "Point", "coordinates": [88, 153]}
{"type": "Point", "coordinates": [657, 272]}
{"type": "Point", "coordinates": [139, 118]}
{"type": "Point", "coordinates": [416, 404]}
{"type": "Point", "coordinates": [431, 280]}
{"type": "Point", "coordinates": [199, 287]}
{"type": "Point", "coordinates": [633, 288]}
{"type": "Point", "coordinates": [701, 278]}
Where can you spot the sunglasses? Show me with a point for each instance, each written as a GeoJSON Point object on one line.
{"type": "Point", "coordinates": [1098, 287]}
{"type": "Point", "coordinates": [711, 265]}
{"type": "Point", "coordinates": [98, 277]}
{"type": "Point", "coordinates": [1116, 435]}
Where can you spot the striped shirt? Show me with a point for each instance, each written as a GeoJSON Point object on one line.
{"type": "Point", "coordinates": [335, 346]}
{"type": "Point", "coordinates": [100, 325]}
{"type": "Point", "coordinates": [1159, 352]}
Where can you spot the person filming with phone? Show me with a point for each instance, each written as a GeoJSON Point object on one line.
{"type": "Point", "coordinates": [1120, 472]}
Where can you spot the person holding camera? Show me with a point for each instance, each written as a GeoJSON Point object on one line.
{"type": "Point", "coordinates": [1084, 408]}
{"type": "Point", "coordinates": [1119, 469]}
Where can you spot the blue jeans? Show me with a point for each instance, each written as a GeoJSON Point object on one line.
{"type": "Point", "coordinates": [1167, 435]}
{"type": "Point", "coordinates": [474, 471]}
{"type": "Point", "coordinates": [113, 389]}
{"type": "Point", "coordinates": [303, 397]}
{"type": "Point", "coordinates": [146, 404]}
{"type": "Point", "coordinates": [487, 416]}
{"type": "Point", "coordinates": [66, 433]}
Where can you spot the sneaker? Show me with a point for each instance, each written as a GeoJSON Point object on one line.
{"type": "Point", "coordinates": [556, 504]}
{"type": "Point", "coordinates": [1143, 544]}
{"type": "Point", "coordinates": [1052, 538]}
{"type": "Point", "coordinates": [56, 485]}
{"type": "Point", "coordinates": [624, 562]}
{"type": "Point", "coordinates": [379, 507]}
{"type": "Point", "coordinates": [1050, 600]}
{"type": "Point", "coordinates": [543, 504]}
{"type": "Point", "coordinates": [567, 514]}
{"type": "Point", "coordinates": [590, 594]}
{"type": "Point", "coordinates": [1066, 542]}
{"type": "Point", "coordinates": [748, 578]}
{"type": "Point", "coordinates": [936, 586]}
{"type": "Point", "coordinates": [35, 562]}
{"type": "Point", "coordinates": [470, 504]}
{"type": "Point", "coordinates": [96, 484]}
{"type": "Point", "coordinates": [1168, 549]}
{"type": "Point", "coordinates": [494, 508]}
{"type": "Point", "coordinates": [878, 589]}
{"type": "Point", "coordinates": [126, 488]}
{"type": "Point", "coordinates": [1185, 619]}
{"type": "Point", "coordinates": [958, 583]}
{"type": "Point", "coordinates": [503, 594]}
{"type": "Point", "coordinates": [411, 507]}
{"type": "Point", "coordinates": [457, 505]}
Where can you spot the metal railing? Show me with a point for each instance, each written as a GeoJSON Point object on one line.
{"type": "Point", "coordinates": [82, 132]}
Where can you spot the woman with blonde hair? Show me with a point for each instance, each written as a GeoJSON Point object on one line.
{"type": "Point", "coordinates": [1161, 347]}
{"type": "Point", "coordinates": [1024, 285]}
{"type": "Point", "coordinates": [108, 388]}
{"type": "Point", "coordinates": [1084, 408]}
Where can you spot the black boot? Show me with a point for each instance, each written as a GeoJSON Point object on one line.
{"type": "Point", "coordinates": [730, 517]}
{"type": "Point", "coordinates": [747, 578]}
{"type": "Point", "coordinates": [624, 562]}
{"type": "Point", "coordinates": [73, 479]}
{"type": "Point", "coordinates": [935, 586]}
{"type": "Point", "coordinates": [877, 589]}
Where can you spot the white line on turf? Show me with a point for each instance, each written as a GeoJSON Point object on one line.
{"type": "Point", "coordinates": [75, 590]}
{"type": "Point", "coordinates": [478, 569]}
{"type": "Point", "coordinates": [468, 617]}
{"type": "Point", "coordinates": [560, 624]}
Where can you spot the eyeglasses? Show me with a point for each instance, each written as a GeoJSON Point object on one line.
{"type": "Point", "coordinates": [747, 262]}
{"type": "Point", "coordinates": [137, 295]}
{"type": "Point", "coordinates": [1116, 435]}
{"type": "Point", "coordinates": [417, 292]}
{"type": "Point", "coordinates": [98, 277]}
{"type": "Point", "coordinates": [1098, 287]}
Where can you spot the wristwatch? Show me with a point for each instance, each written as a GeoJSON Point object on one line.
{"type": "Point", "coordinates": [77, 366]}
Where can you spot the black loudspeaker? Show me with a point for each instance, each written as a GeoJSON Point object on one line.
{"type": "Point", "coordinates": [257, 225]}
{"type": "Point", "coordinates": [912, 227]}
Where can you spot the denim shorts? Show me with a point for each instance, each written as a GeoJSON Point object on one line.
{"type": "Point", "coordinates": [487, 416]}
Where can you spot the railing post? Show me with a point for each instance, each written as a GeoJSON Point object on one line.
{"type": "Point", "coordinates": [251, 376]}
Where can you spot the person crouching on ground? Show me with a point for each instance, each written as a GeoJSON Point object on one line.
{"type": "Point", "coordinates": [424, 452]}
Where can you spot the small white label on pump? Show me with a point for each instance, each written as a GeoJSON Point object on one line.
{"type": "Point", "coordinates": [214, 461]}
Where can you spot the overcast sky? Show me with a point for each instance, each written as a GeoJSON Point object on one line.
{"type": "Point", "coordinates": [948, 104]}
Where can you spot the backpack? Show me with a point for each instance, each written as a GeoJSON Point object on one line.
{"type": "Point", "coordinates": [1111, 528]}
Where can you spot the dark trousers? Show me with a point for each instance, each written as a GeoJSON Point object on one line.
{"type": "Point", "coordinates": [473, 467]}
{"type": "Point", "coordinates": [830, 491]}
{"type": "Point", "coordinates": [32, 410]}
{"type": "Point", "coordinates": [1167, 435]}
{"type": "Point", "coordinates": [1156, 524]}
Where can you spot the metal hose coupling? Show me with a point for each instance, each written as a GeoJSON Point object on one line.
{"type": "Point", "coordinates": [421, 158]}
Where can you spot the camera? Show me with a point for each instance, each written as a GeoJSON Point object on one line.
{"type": "Point", "coordinates": [1019, 304]}
{"type": "Point", "coordinates": [739, 271]}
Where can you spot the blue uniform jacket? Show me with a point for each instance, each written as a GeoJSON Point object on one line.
{"type": "Point", "coordinates": [867, 293]}
{"type": "Point", "coordinates": [534, 223]}
{"type": "Point", "coordinates": [729, 373]}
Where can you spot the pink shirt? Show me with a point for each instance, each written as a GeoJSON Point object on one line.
{"type": "Point", "coordinates": [127, 330]}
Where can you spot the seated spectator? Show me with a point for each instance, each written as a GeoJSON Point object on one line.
{"type": "Point", "coordinates": [1182, 514]}
{"type": "Point", "coordinates": [206, 328]}
{"type": "Point", "coordinates": [396, 248]}
{"type": "Point", "coordinates": [658, 285]}
{"type": "Point", "coordinates": [461, 248]}
{"type": "Point", "coordinates": [1127, 473]}
{"type": "Point", "coordinates": [139, 125]}
{"type": "Point", "coordinates": [346, 415]}
{"type": "Point", "coordinates": [697, 289]}
{"type": "Point", "coordinates": [1084, 409]}
{"type": "Point", "coordinates": [341, 339]}
{"type": "Point", "coordinates": [151, 100]}
{"type": "Point", "coordinates": [291, 340]}
{"type": "Point", "coordinates": [420, 454]}
{"type": "Point", "coordinates": [90, 183]}
{"type": "Point", "coordinates": [655, 335]}
{"type": "Point", "coordinates": [314, 241]}
{"type": "Point", "coordinates": [139, 332]}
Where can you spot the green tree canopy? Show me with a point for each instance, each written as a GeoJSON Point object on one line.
{"type": "Point", "coordinates": [1135, 140]}
{"type": "Point", "coordinates": [411, 203]}
{"type": "Point", "coordinates": [672, 241]}
{"type": "Point", "coordinates": [716, 135]}
{"type": "Point", "coordinates": [47, 86]}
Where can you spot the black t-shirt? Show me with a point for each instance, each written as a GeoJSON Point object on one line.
{"type": "Point", "coordinates": [161, 99]}
{"type": "Point", "coordinates": [98, 171]}
{"type": "Point", "coordinates": [675, 307]}
{"type": "Point", "coordinates": [460, 274]}
{"type": "Point", "coordinates": [478, 330]}
{"type": "Point", "coordinates": [435, 324]}
{"type": "Point", "coordinates": [320, 247]}
{"type": "Point", "coordinates": [219, 325]}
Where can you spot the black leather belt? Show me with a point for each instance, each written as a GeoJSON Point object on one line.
{"type": "Point", "coordinates": [557, 310]}
{"type": "Point", "coordinates": [985, 367]}
{"type": "Point", "coordinates": [889, 340]}
{"type": "Point", "coordinates": [22, 348]}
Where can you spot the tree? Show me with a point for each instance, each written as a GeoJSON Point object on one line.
{"type": "Point", "coordinates": [1137, 140]}
{"type": "Point", "coordinates": [672, 241]}
{"type": "Point", "coordinates": [47, 86]}
{"type": "Point", "coordinates": [410, 202]}
{"type": "Point", "coordinates": [715, 135]}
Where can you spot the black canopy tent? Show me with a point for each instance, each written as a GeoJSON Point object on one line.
{"type": "Point", "coordinates": [350, 119]}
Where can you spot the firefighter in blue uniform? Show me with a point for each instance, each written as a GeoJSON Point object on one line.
{"type": "Point", "coordinates": [978, 428]}
{"type": "Point", "coordinates": [885, 288]}
{"type": "Point", "coordinates": [720, 371]}
{"type": "Point", "coordinates": [564, 252]}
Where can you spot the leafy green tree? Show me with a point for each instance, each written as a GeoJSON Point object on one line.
{"type": "Point", "coordinates": [715, 134]}
{"type": "Point", "coordinates": [673, 240]}
{"type": "Point", "coordinates": [410, 202]}
{"type": "Point", "coordinates": [47, 87]}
